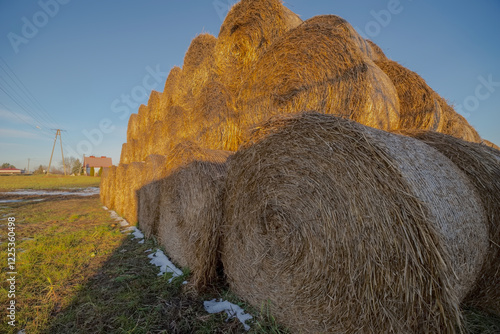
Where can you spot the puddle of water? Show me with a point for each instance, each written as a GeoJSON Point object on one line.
{"type": "Point", "coordinates": [21, 200]}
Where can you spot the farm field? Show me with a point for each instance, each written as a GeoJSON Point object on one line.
{"type": "Point", "coordinates": [79, 271]}
{"type": "Point", "coordinates": [13, 182]}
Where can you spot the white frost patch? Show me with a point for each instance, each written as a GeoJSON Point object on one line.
{"type": "Point", "coordinates": [105, 208]}
{"type": "Point", "coordinates": [82, 192]}
{"type": "Point", "coordinates": [232, 310]}
{"type": "Point", "coordinates": [159, 259]}
{"type": "Point", "coordinates": [148, 250]}
{"type": "Point", "coordinates": [128, 229]}
{"type": "Point", "coordinates": [117, 218]}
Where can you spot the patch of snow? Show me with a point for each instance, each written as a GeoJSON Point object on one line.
{"type": "Point", "coordinates": [148, 250]}
{"type": "Point", "coordinates": [159, 259]}
{"type": "Point", "coordinates": [82, 192]}
{"type": "Point", "coordinates": [142, 241]}
{"type": "Point", "coordinates": [124, 223]}
{"type": "Point", "coordinates": [232, 310]}
{"type": "Point", "coordinates": [137, 233]}
{"type": "Point", "coordinates": [128, 229]}
{"type": "Point", "coordinates": [105, 208]}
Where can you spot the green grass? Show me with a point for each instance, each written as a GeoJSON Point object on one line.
{"type": "Point", "coordinates": [11, 182]}
{"type": "Point", "coordinates": [77, 273]}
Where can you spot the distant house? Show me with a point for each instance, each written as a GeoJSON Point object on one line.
{"type": "Point", "coordinates": [97, 163]}
{"type": "Point", "coordinates": [11, 170]}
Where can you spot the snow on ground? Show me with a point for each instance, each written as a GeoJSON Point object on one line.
{"type": "Point", "coordinates": [20, 200]}
{"type": "Point", "coordinates": [166, 266]}
{"type": "Point", "coordinates": [232, 310]}
{"type": "Point", "coordinates": [81, 192]}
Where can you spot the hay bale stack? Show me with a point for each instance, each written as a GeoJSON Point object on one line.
{"type": "Point", "coordinates": [482, 168]}
{"type": "Point", "coordinates": [134, 181]}
{"type": "Point", "coordinates": [133, 128]}
{"type": "Point", "coordinates": [217, 119]}
{"type": "Point", "coordinates": [174, 211]}
{"type": "Point", "coordinates": [149, 194]}
{"type": "Point", "coordinates": [157, 141]}
{"type": "Point", "coordinates": [249, 28]}
{"type": "Point", "coordinates": [419, 107]}
{"type": "Point", "coordinates": [120, 189]}
{"type": "Point", "coordinates": [191, 216]}
{"type": "Point", "coordinates": [171, 94]}
{"type": "Point", "coordinates": [320, 68]}
{"type": "Point", "coordinates": [346, 229]}
{"type": "Point", "coordinates": [156, 107]}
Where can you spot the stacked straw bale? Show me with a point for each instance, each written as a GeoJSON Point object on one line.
{"type": "Point", "coordinates": [134, 181]}
{"type": "Point", "coordinates": [320, 68]}
{"type": "Point", "coordinates": [110, 189]}
{"type": "Point", "coordinates": [420, 108]}
{"type": "Point", "coordinates": [191, 216]}
{"type": "Point", "coordinates": [249, 28]}
{"type": "Point", "coordinates": [189, 207]}
{"type": "Point", "coordinates": [104, 187]}
{"type": "Point", "coordinates": [482, 167]}
{"type": "Point", "coordinates": [171, 92]}
{"type": "Point", "coordinates": [490, 144]}
{"type": "Point", "coordinates": [133, 128]}
{"type": "Point", "coordinates": [347, 229]}
{"type": "Point", "coordinates": [156, 107]}
{"type": "Point", "coordinates": [456, 125]}
{"type": "Point", "coordinates": [217, 118]}
{"type": "Point", "coordinates": [149, 194]}
{"type": "Point", "coordinates": [376, 53]}
{"type": "Point", "coordinates": [125, 154]}
{"type": "Point", "coordinates": [120, 186]}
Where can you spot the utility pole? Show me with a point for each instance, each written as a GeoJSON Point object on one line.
{"type": "Point", "coordinates": [28, 166]}
{"type": "Point", "coordinates": [58, 133]}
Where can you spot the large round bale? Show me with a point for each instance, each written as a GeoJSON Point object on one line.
{"type": "Point", "coordinates": [319, 68]}
{"type": "Point", "coordinates": [173, 127]}
{"type": "Point", "coordinates": [158, 141]}
{"type": "Point", "coordinates": [490, 144]}
{"type": "Point", "coordinates": [156, 107]}
{"type": "Point", "coordinates": [419, 106]}
{"type": "Point", "coordinates": [348, 229]}
{"type": "Point", "coordinates": [217, 119]}
{"type": "Point", "coordinates": [104, 187]}
{"type": "Point", "coordinates": [456, 125]}
{"type": "Point", "coordinates": [134, 181]}
{"type": "Point", "coordinates": [482, 168]}
{"type": "Point", "coordinates": [377, 54]}
{"type": "Point", "coordinates": [191, 216]}
{"type": "Point", "coordinates": [120, 189]}
{"type": "Point", "coordinates": [149, 194]}
{"type": "Point", "coordinates": [144, 119]}
{"type": "Point", "coordinates": [186, 197]}
{"type": "Point", "coordinates": [249, 28]}
{"type": "Point", "coordinates": [171, 91]}
{"type": "Point", "coordinates": [133, 128]}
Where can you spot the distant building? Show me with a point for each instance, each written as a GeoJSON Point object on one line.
{"type": "Point", "coordinates": [97, 163]}
{"type": "Point", "coordinates": [10, 171]}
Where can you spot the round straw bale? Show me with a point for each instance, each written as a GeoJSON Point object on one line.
{"type": "Point", "coordinates": [156, 107]}
{"type": "Point", "coordinates": [320, 69]}
{"type": "Point", "coordinates": [149, 194]}
{"type": "Point", "coordinates": [125, 155]}
{"type": "Point", "coordinates": [482, 168]}
{"type": "Point", "coordinates": [490, 144]}
{"type": "Point", "coordinates": [120, 188]}
{"type": "Point", "coordinates": [171, 90]}
{"type": "Point", "coordinates": [104, 186]}
{"type": "Point", "coordinates": [201, 47]}
{"type": "Point", "coordinates": [216, 118]}
{"type": "Point", "coordinates": [349, 229]}
{"type": "Point", "coordinates": [191, 217]}
{"type": "Point", "coordinates": [158, 140]}
{"type": "Point", "coordinates": [419, 107]}
{"type": "Point", "coordinates": [249, 28]}
{"type": "Point", "coordinates": [133, 128]}
{"type": "Point", "coordinates": [134, 181]}
{"type": "Point", "coordinates": [111, 192]}
{"type": "Point", "coordinates": [144, 119]}
{"type": "Point", "coordinates": [377, 53]}
{"type": "Point", "coordinates": [456, 125]}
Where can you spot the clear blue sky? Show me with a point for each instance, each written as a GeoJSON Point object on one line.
{"type": "Point", "coordinates": [84, 55]}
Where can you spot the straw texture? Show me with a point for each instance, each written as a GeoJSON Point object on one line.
{"type": "Point", "coordinates": [325, 219]}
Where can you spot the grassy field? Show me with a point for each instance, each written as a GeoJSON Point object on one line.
{"type": "Point", "coordinates": [12, 182]}
{"type": "Point", "coordinates": [78, 273]}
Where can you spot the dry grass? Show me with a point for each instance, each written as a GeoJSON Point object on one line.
{"type": "Point", "coordinates": [329, 221]}
{"type": "Point", "coordinates": [482, 168]}
{"type": "Point", "coordinates": [309, 76]}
